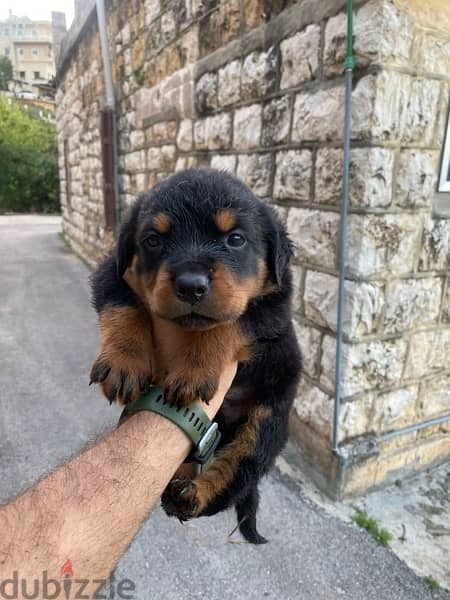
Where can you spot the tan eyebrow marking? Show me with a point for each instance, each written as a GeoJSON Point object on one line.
{"type": "Point", "coordinates": [225, 220]}
{"type": "Point", "coordinates": [161, 222]}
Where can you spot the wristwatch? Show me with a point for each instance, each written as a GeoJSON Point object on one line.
{"type": "Point", "coordinates": [192, 419]}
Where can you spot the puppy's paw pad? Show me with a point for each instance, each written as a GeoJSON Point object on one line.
{"type": "Point", "coordinates": [180, 499]}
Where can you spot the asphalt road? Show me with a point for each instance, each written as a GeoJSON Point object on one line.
{"type": "Point", "coordinates": [48, 339]}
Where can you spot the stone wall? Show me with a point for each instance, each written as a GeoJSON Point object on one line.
{"type": "Point", "coordinates": [260, 92]}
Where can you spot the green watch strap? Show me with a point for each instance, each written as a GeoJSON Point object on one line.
{"type": "Point", "coordinates": [191, 419]}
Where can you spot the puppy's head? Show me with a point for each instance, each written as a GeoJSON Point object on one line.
{"type": "Point", "coordinates": [200, 247]}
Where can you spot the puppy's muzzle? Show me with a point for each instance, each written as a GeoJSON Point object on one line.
{"type": "Point", "coordinates": [191, 287]}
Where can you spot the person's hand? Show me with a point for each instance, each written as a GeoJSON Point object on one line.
{"type": "Point", "coordinates": [225, 381]}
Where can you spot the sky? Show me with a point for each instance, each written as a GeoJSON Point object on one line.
{"type": "Point", "coordinates": [37, 9]}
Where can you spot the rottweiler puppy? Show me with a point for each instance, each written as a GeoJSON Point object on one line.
{"type": "Point", "coordinates": [200, 277]}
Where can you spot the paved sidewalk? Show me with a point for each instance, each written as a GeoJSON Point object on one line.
{"type": "Point", "coordinates": [48, 339]}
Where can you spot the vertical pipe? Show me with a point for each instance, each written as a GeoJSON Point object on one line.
{"type": "Point", "coordinates": [110, 97]}
{"type": "Point", "coordinates": [349, 63]}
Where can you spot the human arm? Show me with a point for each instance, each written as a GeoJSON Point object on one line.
{"type": "Point", "coordinates": [90, 509]}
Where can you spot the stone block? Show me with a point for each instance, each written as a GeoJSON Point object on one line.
{"type": "Point", "coordinates": [428, 353]}
{"type": "Point", "coordinates": [315, 236]}
{"type": "Point", "coordinates": [329, 170]}
{"type": "Point", "coordinates": [412, 303]}
{"type": "Point", "coordinates": [221, 26]}
{"type": "Point", "coordinates": [363, 303]}
{"type": "Point", "coordinates": [137, 139]}
{"type": "Point", "coordinates": [293, 175]}
{"type": "Point", "coordinates": [300, 57]}
{"type": "Point", "coordinates": [335, 45]}
{"type": "Point", "coordinates": [363, 105]}
{"type": "Point", "coordinates": [184, 137]}
{"type": "Point", "coordinates": [254, 13]}
{"type": "Point", "coordinates": [188, 46]}
{"type": "Point", "coordinates": [418, 117]}
{"type": "Point", "coordinates": [319, 115]}
{"type": "Point", "coordinates": [200, 133]}
{"type": "Point", "coordinates": [247, 127]}
{"type": "Point", "coordinates": [446, 303]}
{"type": "Point", "coordinates": [396, 35]}
{"type": "Point", "coordinates": [435, 252]}
{"type": "Point", "coordinates": [434, 54]}
{"type": "Point", "coordinates": [416, 178]}
{"type": "Point", "coordinates": [435, 397]}
{"type": "Point", "coordinates": [218, 131]}
{"type": "Point", "coordinates": [394, 106]}
{"type": "Point", "coordinates": [355, 418]}
{"type": "Point", "coordinates": [206, 93]}
{"type": "Point", "coordinates": [309, 340]}
{"type": "Point", "coordinates": [168, 27]}
{"type": "Point", "coordinates": [259, 73]}
{"type": "Point", "coordinates": [320, 298]}
{"type": "Point", "coordinates": [152, 10]}
{"type": "Point", "coordinates": [255, 170]}
{"type": "Point", "coordinates": [371, 174]}
{"type": "Point", "coordinates": [276, 121]}
{"type": "Point", "coordinates": [396, 409]}
{"type": "Point", "coordinates": [161, 158]}
{"type": "Point", "coordinates": [229, 85]}
{"type": "Point", "coordinates": [135, 161]}
{"type": "Point", "coordinates": [378, 245]}
{"type": "Point", "coordinates": [366, 366]}
{"type": "Point", "coordinates": [224, 162]}
{"type": "Point", "coordinates": [314, 407]}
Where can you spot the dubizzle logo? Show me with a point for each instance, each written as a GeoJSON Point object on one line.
{"type": "Point", "coordinates": [67, 569]}
{"type": "Point", "coordinates": [67, 587]}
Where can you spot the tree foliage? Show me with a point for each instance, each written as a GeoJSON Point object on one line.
{"type": "Point", "coordinates": [6, 72]}
{"type": "Point", "coordinates": [28, 160]}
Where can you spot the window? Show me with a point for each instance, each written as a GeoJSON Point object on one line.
{"type": "Point", "coordinates": [35, 52]}
{"type": "Point", "coordinates": [37, 74]}
{"type": "Point", "coordinates": [34, 33]}
{"type": "Point", "coordinates": [22, 74]}
{"type": "Point", "coordinates": [444, 177]}
{"type": "Point", "coordinates": [20, 51]}
{"type": "Point", "coordinates": [7, 51]}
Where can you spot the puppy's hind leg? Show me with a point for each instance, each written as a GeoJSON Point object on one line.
{"type": "Point", "coordinates": [246, 516]}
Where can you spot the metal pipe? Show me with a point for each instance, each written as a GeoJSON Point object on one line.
{"type": "Point", "coordinates": [349, 64]}
{"type": "Point", "coordinates": [413, 428]}
{"type": "Point", "coordinates": [101, 19]}
{"type": "Point", "coordinates": [110, 97]}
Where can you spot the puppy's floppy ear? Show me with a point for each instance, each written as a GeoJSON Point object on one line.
{"type": "Point", "coordinates": [279, 246]}
{"type": "Point", "coordinates": [126, 244]}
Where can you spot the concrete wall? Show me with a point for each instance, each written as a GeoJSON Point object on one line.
{"type": "Point", "coordinates": [261, 93]}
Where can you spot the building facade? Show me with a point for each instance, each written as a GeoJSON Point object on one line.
{"type": "Point", "coordinates": [30, 47]}
{"type": "Point", "coordinates": [257, 88]}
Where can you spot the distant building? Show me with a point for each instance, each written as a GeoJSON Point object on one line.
{"type": "Point", "coordinates": [31, 47]}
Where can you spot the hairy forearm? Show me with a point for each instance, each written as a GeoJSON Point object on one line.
{"type": "Point", "coordinates": [89, 510]}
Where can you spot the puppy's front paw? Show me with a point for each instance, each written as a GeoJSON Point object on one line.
{"type": "Point", "coordinates": [118, 384]}
{"type": "Point", "coordinates": [180, 499]}
{"type": "Point", "coordinates": [180, 392]}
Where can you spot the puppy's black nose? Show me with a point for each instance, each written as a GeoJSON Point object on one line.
{"type": "Point", "coordinates": [191, 287]}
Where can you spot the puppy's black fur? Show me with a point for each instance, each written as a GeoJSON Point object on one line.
{"type": "Point", "coordinates": [254, 417]}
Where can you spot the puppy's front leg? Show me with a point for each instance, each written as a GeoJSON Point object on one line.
{"type": "Point", "coordinates": [124, 366]}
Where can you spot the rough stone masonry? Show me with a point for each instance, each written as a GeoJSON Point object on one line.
{"type": "Point", "coordinates": [257, 88]}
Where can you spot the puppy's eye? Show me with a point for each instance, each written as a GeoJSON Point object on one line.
{"type": "Point", "coordinates": [153, 241]}
{"type": "Point", "coordinates": [236, 240]}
